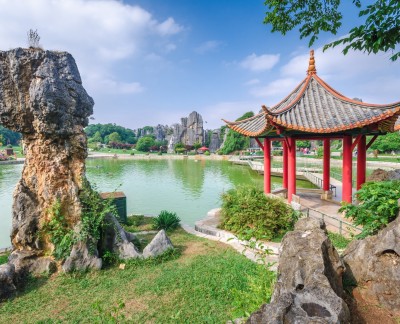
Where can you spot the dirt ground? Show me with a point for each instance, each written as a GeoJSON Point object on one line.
{"type": "Point", "coordinates": [364, 312]}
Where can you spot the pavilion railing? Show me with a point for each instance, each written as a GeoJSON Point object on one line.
{"type": "Point", "coordinates": [343, 227]}
{"type": "Point", "coordinates": [318, 181]}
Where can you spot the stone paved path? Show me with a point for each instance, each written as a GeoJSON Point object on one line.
{"type": "Point", "coordinates": [207, 228]}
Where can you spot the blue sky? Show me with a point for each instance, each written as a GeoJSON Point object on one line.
{"type": "Point", "coordinates": [151, 62]}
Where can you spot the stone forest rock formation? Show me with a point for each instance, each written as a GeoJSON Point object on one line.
{"type": "Point", "coordinates": [42, 97]}
{"type": "Point", "coordinates": [309, 286]}
{"type": "Point", "coordinates": [188, 132]}
{"type": "Point", "coordinates": [374, 263]}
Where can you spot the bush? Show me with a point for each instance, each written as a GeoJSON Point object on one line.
{"type": "Point", "coordinates": [247, 210]}
{"type": "Point", "coordinates": [206, 153]}
{"type": "Point", "coordinates": [377, 206]}
{"type": "Point", "coordinates": [338, 240]}
{"type": "Point", "coordinates": [166, 220]}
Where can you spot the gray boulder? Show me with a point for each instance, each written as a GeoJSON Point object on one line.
{"type": "Point", "coordinates": [159, 245]}
{"type": "Point", "coordinates": [82, 258]}
{"type": "Point", "coordinates": [32, 262]}
{"type": "Point", "coordinates": [117, 240]}
{"type": "Point", "coordinates": [374, 263]}
{"type": "Point", "coordinates": [309, 285]}
{"type": "Point", "coordinates": [7, 281]}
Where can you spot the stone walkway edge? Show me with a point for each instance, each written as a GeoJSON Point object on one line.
{"type": "Point", "coordinates": [207, 228]}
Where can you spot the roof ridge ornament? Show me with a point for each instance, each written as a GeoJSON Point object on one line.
{"type": "Point", "coordinates": [311, 64]}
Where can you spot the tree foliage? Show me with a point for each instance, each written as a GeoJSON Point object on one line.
{"type": "Point", "coordinates": [127, 135]}
{"type": "Point", "coordinates": [387, 143]}
{"type": "Point", "coordinates": [9, 137]}
{"type": "Point", "coordinates": [145, 143]}
{"type": "Point", "coordinates": [377, 206]}
{"type": "Point", "coordinates": [379, 32]}
{"type": "Point", "coordinates": [235, 141]}
{"type": "Point", "coordinates": [97, 138]}
{"type": "Point", "coordinates": [114, 137]}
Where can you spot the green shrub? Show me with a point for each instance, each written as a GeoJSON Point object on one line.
{"type": "Point", "coordinates": [339, 241]}
{"type": "Point", "coordinates": [377, 206]}
{"type": "Point", "coordinates": [94, 210]}
{"type": "Point", "coordinates": [206, 153]}
{"type": "Point", "coordinates": [248, 210]}
{"type": "Point", "coordinates": [63, 236]}
{"type": "Point", "coordinates": [320, 151]}
{"type": "Point", "coordinates": [166, 220]}
{"type": "Point", "coordinates": [4, 258]}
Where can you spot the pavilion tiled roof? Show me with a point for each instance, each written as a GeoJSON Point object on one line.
{"type": "Point", "coordinates": [314, 107]}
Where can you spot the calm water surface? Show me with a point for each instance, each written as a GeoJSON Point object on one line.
{"type": "Point", "coordinates": [186, 187]}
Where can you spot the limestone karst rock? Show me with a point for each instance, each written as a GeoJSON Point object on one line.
{"type": "Point", "coordinates": [188, 132]}
{"type": "Point", "coordinates": [42, 97]}
{"type": "Point", "coordinates": [158, 245]}
{"type": "Point", "coordinates": [309, 285]}
{"type": "Point", "coordinates": [215, 141]}
{"type": "Point", "coordinates": [7, 281]}
{"type": "Point", "coordinates": [374, 263]}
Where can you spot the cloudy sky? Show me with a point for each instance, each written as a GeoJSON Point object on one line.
{"type": "Point", "coordinates": [151, 62]}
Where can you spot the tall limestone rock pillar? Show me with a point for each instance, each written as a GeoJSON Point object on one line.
{"type": "Point", "coordinates": [41, 96]}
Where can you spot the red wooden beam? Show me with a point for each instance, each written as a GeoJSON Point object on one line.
{"type": "Point", "coordinates": [347, 170]}
{"type": "Point", "coordinates": [287, 142]}
{"type": "Point", "coordinates": [356, 142]}
{"type": "Point", "coordinates": [285, 165]}
{"type": "Point", "coordinates": [267, 165]}
{"type": "Point", "coordinates": [291, 168]}
{"type": "Point", "coordinates": [361, 161]}
{"type": "Point", "coordinates": [259, 144]}
{"type": "Point", "coordinates": [326, 165]}
{"type": "Point", "coordinates": [372, 141]}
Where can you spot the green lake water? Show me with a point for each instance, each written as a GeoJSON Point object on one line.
{"type": "Point", "coordinates": [186, 187]}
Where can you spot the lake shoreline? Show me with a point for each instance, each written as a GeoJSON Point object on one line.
{"type": "Point", "coordinates": [96, 155]}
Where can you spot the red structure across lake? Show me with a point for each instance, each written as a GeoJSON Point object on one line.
{"type": "Point", "coordinates": [315, 111]}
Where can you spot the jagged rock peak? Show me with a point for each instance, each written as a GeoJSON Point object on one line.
{"type": "Point", "coordinates": [41, 96]}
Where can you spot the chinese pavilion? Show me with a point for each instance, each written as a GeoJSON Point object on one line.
{"type": "Point", "coordinates": [315, 111]}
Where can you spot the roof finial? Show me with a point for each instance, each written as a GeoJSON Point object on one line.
{"type": "Point", "coordinates": [311, 64]}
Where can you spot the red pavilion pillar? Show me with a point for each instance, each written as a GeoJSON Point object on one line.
{"type": "Point", "coordinates": [267, 165]}
{"type": "Point", "coordinates": [284, 165]}
{"type": "Point", "coordinates": [347, 175]}
{"type": "Point", "coordinates": [326, 166]}
{"type": "Point", "coordinates": [361, 161]}
{"type": "Point", "coordinates": [291, 167]}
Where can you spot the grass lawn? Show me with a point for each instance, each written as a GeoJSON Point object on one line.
{"type": "Point", "coordinates": [203, 282]}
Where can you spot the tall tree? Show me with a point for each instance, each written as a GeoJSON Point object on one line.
{"type": "Point", "coordinates": [114, 137]}
{"type": "Point", "coordinates": [379, 32]}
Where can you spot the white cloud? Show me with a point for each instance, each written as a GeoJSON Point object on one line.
{"type": "Point", "coordinates": [98, 33]}
{"type": "Point", "coordinates": [208, 46]}
{"type": "Point", "coordinates": [229, 110]}
{"type": "Point", "coordinates": [373, 78]}
{"type": "Point", "coordinates": [168, 27]}
{"type": "Point", "coordinates": [108, 85]}
{"type": "Point", "coordinates": [275, 90]}
{"type": "Point", "coordinates": [260, 63]}
{"type": "Point", "coordinates": [252, 82]}
{"type": "Point", "coordinates": [170, 47]}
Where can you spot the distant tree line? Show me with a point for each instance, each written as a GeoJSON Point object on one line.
{"type": "Point", "coordinates": [9, 137]}
{"type": "Point", "coordinates": [106, 133]}
{"type": "Point", "coordinates": [235, 141]}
